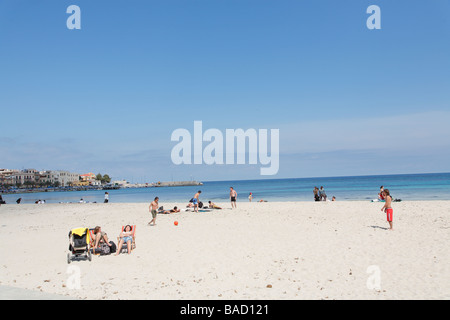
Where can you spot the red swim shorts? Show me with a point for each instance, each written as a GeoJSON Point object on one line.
{"type": "Point", "coordinates": [389, 214]}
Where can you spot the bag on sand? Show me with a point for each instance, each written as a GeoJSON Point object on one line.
{"type": "Point", "coordinates": [104, 249]}
{"type": "Point", "coordinates": [113, 247]}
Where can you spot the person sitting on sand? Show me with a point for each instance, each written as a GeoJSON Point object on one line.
{"type": "Point", "coordinates": [333, 199]}
{"type": "Point", "coordinates": [100, 237]}
{"type": "Point", "coordinates": [212, 205]}
{"type": "Point", "coordinates": [126, 236]}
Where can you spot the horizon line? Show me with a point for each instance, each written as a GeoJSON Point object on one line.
{"type": "Point", "coordinates": [325, 177]}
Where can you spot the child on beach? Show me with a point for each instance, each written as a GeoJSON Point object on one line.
{"type": "Point", "coordinates": [154, 211]}
{"type": "Point", "coordinates": [250, 197]}
{"type": "Point", "coordinates": [387, 207]}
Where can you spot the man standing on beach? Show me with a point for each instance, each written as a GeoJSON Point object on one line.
{"type": "Point", "coordinates": [322, 194]}
{"type": "Point", "coordinates": [387, 207]}
{"type": "Point", "coordinates": [316, 194]}
{"type": "Point", "coordinates": [106, 197]}
{"type": "Point", "coordinates": [154, 211]}
{"type": "Point", "coordinates": [196, 200]}
{"type": "Point", "coordinates": [233, 196]}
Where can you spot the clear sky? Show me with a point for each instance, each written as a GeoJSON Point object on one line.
{"type": "Point", "coordinates": [106, 98]}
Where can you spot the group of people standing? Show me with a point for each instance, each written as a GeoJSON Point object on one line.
{"type": "Point", "coordinates": [319, 194]}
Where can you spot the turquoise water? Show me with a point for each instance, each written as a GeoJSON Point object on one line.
{"type": "Point", "coordinates": [434, 186]}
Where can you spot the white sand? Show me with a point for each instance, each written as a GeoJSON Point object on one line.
{"type": "Point", "coordinates": [290, 250]}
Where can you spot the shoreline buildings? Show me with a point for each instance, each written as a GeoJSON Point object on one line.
{"type": "Point", "coordinates": [32, 177]}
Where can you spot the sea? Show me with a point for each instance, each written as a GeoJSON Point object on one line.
{"type": "Point", "coordinates": [430, 186]}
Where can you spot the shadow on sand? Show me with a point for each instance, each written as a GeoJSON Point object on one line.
{"type": "Point", "coordinates": [378, 227]}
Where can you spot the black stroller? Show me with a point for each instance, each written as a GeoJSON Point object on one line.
{"type": "Point", "coordinates": [79, 244]}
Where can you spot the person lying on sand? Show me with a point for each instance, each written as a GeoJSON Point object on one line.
{"type": "Point", "coordinates": [175, 209]}
{"type": "Point", "coordinates": [213, 205]}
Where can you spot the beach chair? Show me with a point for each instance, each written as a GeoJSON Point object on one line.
{"type": "Point", "coordinates": [92, 236]}
{"type": "Point", "coordinates": [99, 250]}
{"type": "Point", "coordinates": [133, 242]}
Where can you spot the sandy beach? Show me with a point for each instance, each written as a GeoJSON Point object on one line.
{"type": "Point", "coordinates": [272, 250]}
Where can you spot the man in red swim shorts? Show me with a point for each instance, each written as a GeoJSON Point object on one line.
{"type": "Point", "coordinates": [387, 208]}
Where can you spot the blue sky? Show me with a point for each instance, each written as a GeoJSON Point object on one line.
{"type": "Point", "coordinates": [347, 100]}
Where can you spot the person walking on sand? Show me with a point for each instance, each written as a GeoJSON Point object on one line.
{"type": "Point", "coordinates": [154, 211]}
{"type": "Point", "coordinates": [233, 196]}
{"type": "Point", "coordinates": [387, 208]}
{"type": "Point", "coordinates": [250, 197]}
{"type": "Point", "coordinates": [106, 197]}
{"type": "Point", "coordinates": [196, 200]}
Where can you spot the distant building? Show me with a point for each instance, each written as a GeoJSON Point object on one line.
{"type": "Point", "coordinates": [6, 176]}
{"type": "Point", "coordinates": [33, 177]}
{"type": "Point", "coordinates": [121, 183]}
{"type": "Point", "coordinates": [65, 178]}
{"type": "Point", "coordinates": [88, 177]}
{"type": "Point", "coordinates": [24, 177]}
{"type": "Point", "coordinates": [80, 183]}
